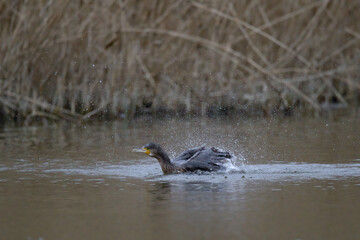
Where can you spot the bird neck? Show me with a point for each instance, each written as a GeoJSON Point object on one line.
{"type": "Point", "coordinates": [166, 165]}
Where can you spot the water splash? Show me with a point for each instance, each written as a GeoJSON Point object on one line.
{"type": "Point", "coordinates": [149, 169]}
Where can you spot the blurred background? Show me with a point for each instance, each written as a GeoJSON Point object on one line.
{"type": "Point", "coordinates": [120, 59]}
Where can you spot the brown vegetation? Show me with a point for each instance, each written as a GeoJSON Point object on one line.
{"type": "Point", "coordinates": [76, 59]}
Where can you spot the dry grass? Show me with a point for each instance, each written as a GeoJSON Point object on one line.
{"type": "Point", "coordinates": [77, 59]}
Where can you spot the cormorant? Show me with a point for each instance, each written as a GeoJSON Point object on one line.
{"type": "Point", "coordinates": [195, 159]}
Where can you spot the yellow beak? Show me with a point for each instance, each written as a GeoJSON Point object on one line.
{"type": "Point", "coordinates": [142, 150]}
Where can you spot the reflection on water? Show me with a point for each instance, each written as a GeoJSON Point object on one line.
{"type": "Point", "coordinates": [301, 181]}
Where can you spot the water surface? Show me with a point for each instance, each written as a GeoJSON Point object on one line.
{"type": "Point", "coordinates": [296, 179]}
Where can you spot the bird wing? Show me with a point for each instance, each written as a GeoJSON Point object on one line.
{"type": "Point", "coordinates": [186, 155]}
{"type": "Point", "coordinates": [210, 159]}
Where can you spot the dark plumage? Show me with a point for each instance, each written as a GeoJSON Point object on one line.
{"type": "Point", "coordinates": [195, 159]}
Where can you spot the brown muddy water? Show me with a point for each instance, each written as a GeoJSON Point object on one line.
{"type": "Point", "coordinates": [301, 181]}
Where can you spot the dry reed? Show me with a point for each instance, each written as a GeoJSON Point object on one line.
{"type": "Point", "coordinates": [78, 59]}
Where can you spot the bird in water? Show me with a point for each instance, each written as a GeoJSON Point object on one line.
{"type": "Point", "coordinates": [195, 159]}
